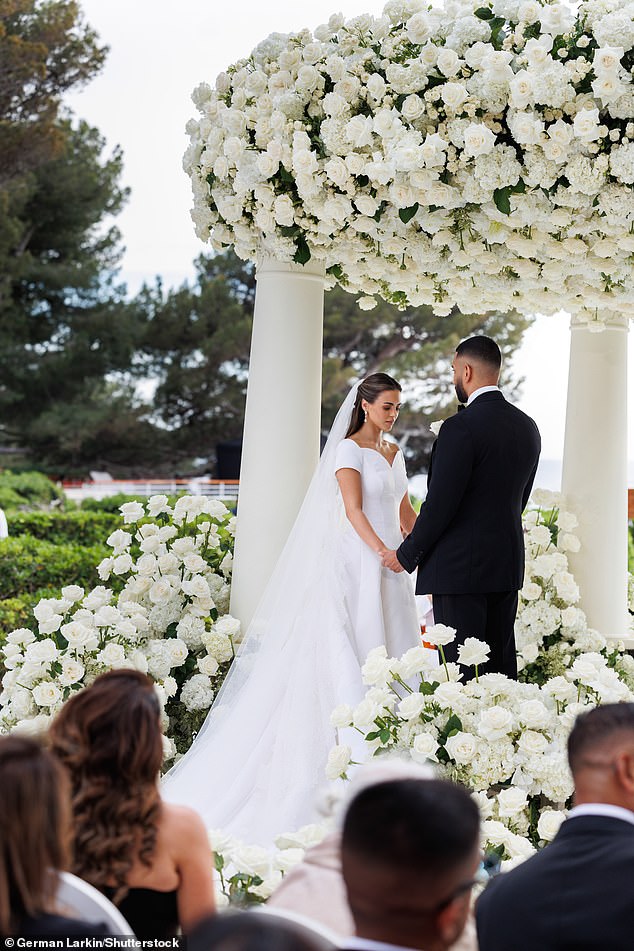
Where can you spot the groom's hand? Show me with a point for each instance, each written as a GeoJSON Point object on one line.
{"type": "Point", "coordinates": [390, 561]}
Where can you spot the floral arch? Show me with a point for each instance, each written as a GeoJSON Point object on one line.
{"type": "Point", "coordinates": [478, 156]}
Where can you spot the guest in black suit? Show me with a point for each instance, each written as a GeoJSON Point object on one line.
{"type": "Point", "coordinates": [35, 836]}
{"type": "Point", "coordinates": [576, 894]}
{"type": "Point", "coordinates": [467, 541]}
{"type": "Point", "coordinates": [409, 853]}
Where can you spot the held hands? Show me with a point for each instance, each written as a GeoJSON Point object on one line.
{"type": "Point", "coordinates": [389, 560]}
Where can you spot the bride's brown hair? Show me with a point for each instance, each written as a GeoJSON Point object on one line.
{"type": "Point", "coordinates": [108, 737]}
{"type": "Point", "coordinates": [369, 390]}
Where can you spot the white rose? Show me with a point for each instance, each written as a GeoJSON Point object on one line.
{"type": "Point", "coordinates": [284, 211]}
{"type": "Point", "coordinates": [338, 762]}
{"type": "Point", "coordinates": [568, 542]}
{"type": "Point", "coordinates": [131, 511]}
{"type": "Point", "coordinates": [413, 107]}
{"type": "Point", "coordinates": [72, 672]}
{"type": "Point", "coordinates": [72, 592]}
{"type": "Point", "coordinates": [549, 822]}
{"type": "Point", "coordinates": [462, 747]}
{"type": "Point", "coordinates": [586, 125]}
{"type": "Point", "coordinates": [511, 801]}
{"type": "Point", "coordinates": [478, 139]}
{"type": "Point", "coordinates": [424, 748]}
{"type": "Point", "coordinates": [414, 661]}
{"type": "Point", "coordinates": [79, 636]}
{"type": "Point", "coordinates": [533, 714]}
{"type": "Point", "coordinates": [376, 669]}
{"type": "Point", "coordinates": [341, 716]}
{"type": "Point", "coordinates": [47, 694]}
{"type": "Point", "coordinates": [41, 652]}
{"type": "Point", "coordinates": [412, 706]}
{"type": "Point", "coordinates": [161, 591]}
{"type": "Point", "coordinates": [208, 665]}
{"type": "Point", "coordinates": [495, 722]}
{"type": "Point", "coordinates": [607, 58]}
{"type": "Point", "coordinates": [473, 652]}
{"type": "Point", "coordinates": [157, 504]}
{"type": "Point", "coordinates": [531, 591]}
{"type": "Point", "coordinates": [418, 28]}
{"type": "Point", "coordinates": [177, 651]}
{"type": "Point", "coordinates": [228, 626]}
{"type": "Point", "coordinates": [532, 743]}
{"type": "Point", "coordinates": [449, 694]}
{"type": "Point", "coordinates": [113, 655]}
{"type": "Point", "coordinates": [448, 62]}
{"type": "Point", "coordinates": [364, 714]}
{"type": "Point", "coordinates": [440, 635]}
{"type": "Point", "coordinates": [454, 95]}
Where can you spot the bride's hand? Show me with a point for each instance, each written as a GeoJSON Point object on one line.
{"type": "Point", "coordinates": [389, 560]}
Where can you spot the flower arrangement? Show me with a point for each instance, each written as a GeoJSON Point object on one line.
{"type": "Point", "coordinates": [503, 739]}
{"type": "Point", "coordinates": [163, 611]}
{"type": "Point", "coordinates": [478, 154]}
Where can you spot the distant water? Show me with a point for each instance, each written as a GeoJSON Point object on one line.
{"type": "Point", "coordinates": [548, 477]}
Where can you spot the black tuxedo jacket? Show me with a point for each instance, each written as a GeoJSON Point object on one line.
{"type": "Point", "coordinates": [468, 537]}
{"type": "Point", "coordinates": [574, 895]}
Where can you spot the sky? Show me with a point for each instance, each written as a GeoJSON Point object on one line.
{"type": "Point", "coordinates": [159, 52]}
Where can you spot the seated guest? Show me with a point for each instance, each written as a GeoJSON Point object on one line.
{"type": "Point", "coordinates": [35, 834]}
{"type": "Point", "coordinates": [576, 893]}
{"type": "Point", "coordinates": [409, 854]}
{"type": "Point", "coordinates": [152, 859]}
{"type": "Point", "coordinates": [249, 931]}
{"type": "Point", "coordinates": [314, 887]}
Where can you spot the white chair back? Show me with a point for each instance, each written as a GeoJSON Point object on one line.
{"type": "Point", "coordinates": [78, 899]}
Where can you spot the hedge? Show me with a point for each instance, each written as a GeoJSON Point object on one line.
{"type": "Point", "coordinates": [27, 488]}
{"type": "Point", "coordinates": [61, 528]}
{"type": "Point", "coordinates": [29, 564]}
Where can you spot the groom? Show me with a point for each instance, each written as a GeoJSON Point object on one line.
{"type": "Point", "coordinates": [467, 541]}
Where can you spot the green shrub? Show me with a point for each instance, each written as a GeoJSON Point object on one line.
{"type": "Point", "coordinates": [29, 564]}
{"type": "Point", "coordinates": [9, 498]}
{"type": "Point", "coordinates": [33, 488]}
{"type": "Point", "coordinates": [18, 612]}
{"type": "Point", "coordinates": [80, 528]}
{"type": "Point", "coordinates": [111, 503]}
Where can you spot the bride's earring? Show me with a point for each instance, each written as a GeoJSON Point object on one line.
{"type": "Point", "coordinates": [365, 415]}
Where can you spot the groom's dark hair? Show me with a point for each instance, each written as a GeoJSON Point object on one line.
{"type": "Point", "coordinates": [481, 348]}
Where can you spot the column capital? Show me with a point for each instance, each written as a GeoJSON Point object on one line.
{"type": "Point", "coordinates": [603, 322]}
{"type": "Point", "coordinates": [267, 265]}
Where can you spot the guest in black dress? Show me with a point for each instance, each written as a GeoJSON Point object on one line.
{"type": "Point", "coordinates": [151, 858]}
{"type": "Point", "coordinates": [35, 833]}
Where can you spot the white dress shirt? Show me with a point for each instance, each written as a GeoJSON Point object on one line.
{"type": "Point", "coordinates": [480, 391]}
{"type": "Point", "coordinates": [602, 809]}
{"type": "Point", "coordinates": [366, 944]}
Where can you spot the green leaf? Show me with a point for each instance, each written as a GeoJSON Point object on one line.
{"type": "Point", "coordinates": [454, 725]}
{"type": "Point", "coordinates": [426, 688]}
{"type": "Point", "coordinates": [336, 270]}
{"type": "Point", "coordinates": [501, 199]}
{"type": "Point", "coordinates": [384, 736]}
{"type": "Point", "coordinates": [406, 214]}
{"type": "Point", "coordinates": [519, 188]}
{"type": "Point", "coordinates": [362, 181]}
{"type": "Point", "coordinates": [484, 13]}
{"type": "Point", "coordinates": [219, 862]}
{"type": "Point", "coordinates": [372, 736]}
{"type": "Point", "coordinates": [302, 254]}
{"type": "Point", "coordinates": [285, 175]}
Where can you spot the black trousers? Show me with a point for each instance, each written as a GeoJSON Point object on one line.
{"type": "Point", "coordinates": [490, 618]}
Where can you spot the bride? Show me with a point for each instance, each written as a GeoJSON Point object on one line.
{"type": "Point", "coordinates": [259, 759]}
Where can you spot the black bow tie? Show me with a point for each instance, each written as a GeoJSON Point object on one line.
{"type": "Point", "coordinates": [461, 406]}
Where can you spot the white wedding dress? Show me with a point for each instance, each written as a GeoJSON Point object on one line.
{"type": "Point", "coordinates": [257, 765]}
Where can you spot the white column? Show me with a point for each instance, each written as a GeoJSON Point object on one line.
{"type": "Point", "coordinates": [281, 424]}
{"type": "Point", "coordinates": [594, 480]}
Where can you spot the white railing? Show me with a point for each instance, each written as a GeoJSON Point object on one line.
{"type": "Point", "coordinates": [217, 488]}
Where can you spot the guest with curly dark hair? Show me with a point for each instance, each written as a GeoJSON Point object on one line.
{"type": "Point", "coordinates": [151, 858]}
{"type": "Point", "coordinates": [35, 835]}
